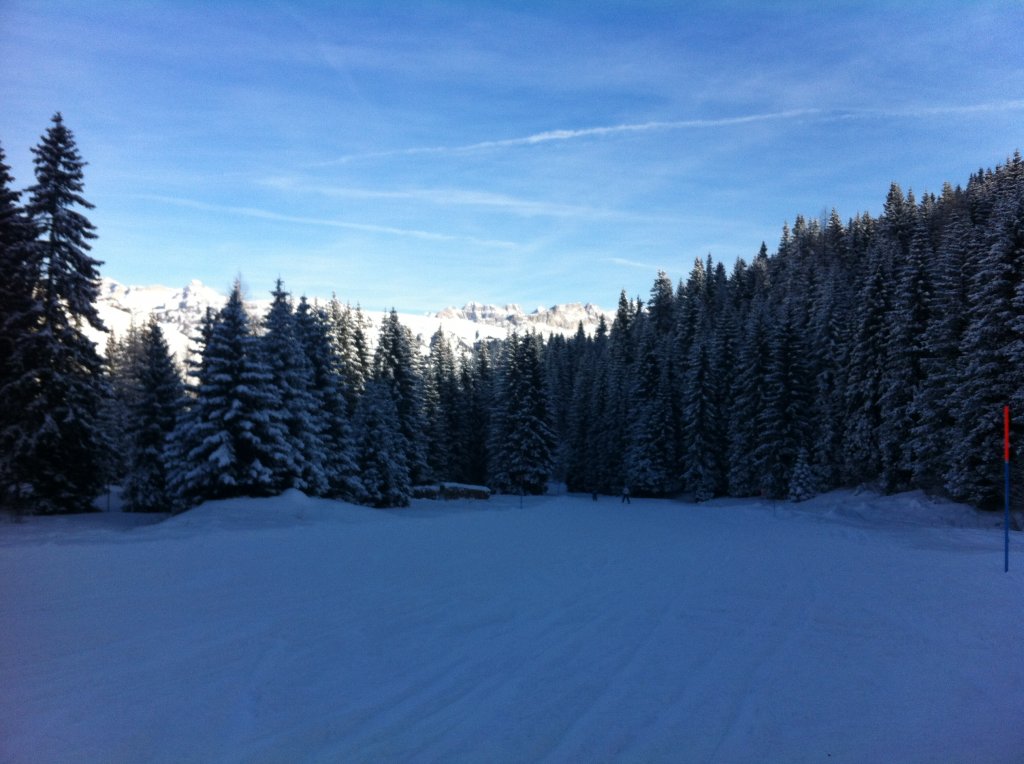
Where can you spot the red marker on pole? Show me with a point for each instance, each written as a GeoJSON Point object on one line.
{"type": "Point", "coordinates": [1006, 433]}
{"type": "Point", "coordinates": [1006, 488]}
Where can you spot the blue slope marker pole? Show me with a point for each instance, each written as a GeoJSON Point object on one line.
{"type": "Point", "coordinates": [1006, 488]}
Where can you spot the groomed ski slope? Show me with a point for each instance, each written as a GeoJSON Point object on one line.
{"type": "Point", "coordinates": [849, 628]}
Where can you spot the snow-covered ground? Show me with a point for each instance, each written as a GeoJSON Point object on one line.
{"type": "Point", "coordinates": [848, 628]}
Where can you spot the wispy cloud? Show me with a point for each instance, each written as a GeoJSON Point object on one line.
{"type": "Point", "coordinates": [990, 107]}
{"type": "Point", "coordinates": [459, 197]}
{"type": "Point", "coordinates": [649, 267]}
{"type": "Point", "coordinates": [586, 132]}
{"type": "Point", "coordinates": [254, 212]}
{"type": "Point", "coordinates": [820, 114]}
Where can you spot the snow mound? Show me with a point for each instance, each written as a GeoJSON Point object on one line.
{"type": "Point", "coordinates": [292, 508]}
{"type": "Point", "coordinates": [913, 508]}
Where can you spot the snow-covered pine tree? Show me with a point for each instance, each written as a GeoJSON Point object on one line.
{"type": "Point", "coordinates": [348, 346]}
{"type": "Point", "coordinates": [20, 267]}
{"type": "Point", "coordinates": [55, 443]}
{"type": "Point", "coordinates": [233, 441]}
{"type": "Point", "coordinates": [362, 359]}
{"type": "Point", "coordinates": [561, 358]}
{"type": "Point", "coordinates": [497, 473]}
{"type": "Point", "coordinates": [328, 385]}
{"type": "Point", "coordinates": [865, 369]}
{"type": "Point", "coordinates": [699, 388]}
{"type": "Point", "coordinates": [746, 463]}
{"type": "Point", "coordinates": [828, 338]}
{"type": "Point", "coordinates": [899, 220]}
{"type": "Point", "coordinates": [441, 409]}
{"type": "Point", "coordinates": [933, 406]}
{"type": "Point", "coordinates": [692, 305]}
{"type": "Point", "coordinates": [124, 356]}
{"type": "Point", "coordinates": [661, 307]}
{"type": "Point", "coordinates": [597, 409]}
{"type": "Point", "coordinates": [381, 448]}
{"type": "Point", "coordinates": [20, 309]}
{"type": "Point", "coordinates": [182, 438]}
{"type": "Point", "coordinates": [285, 357]}
{"type": "Point", "coordinates": [783, 424]}
{"type": "Point", "coordinates": [396, 366]}
{"type": "Point", "coordinates": [462, 434]}
{"type": "Point", "coordinates": [650, 459]}
{"type": "Point", "coordinates": [475, 422]}
{"type": "Point", "coordinates": [612, 431]}
{"type": "Point", "coordinates": [905, 352]}
{"type": "Point", "coordinates": [884, 366]}
{"type": "Point", "coordinates": [19, 260]}
{"type": "Point", "coordinates": [585, 416]}
{"type": "Point", "coordinates": [156, 405]}
{"type": "Point", "coordinates": [724, 350]}
{"type": "Point", "coordinates": [525, 439]}
{"type": "Point", "coordinates": [691, 296]}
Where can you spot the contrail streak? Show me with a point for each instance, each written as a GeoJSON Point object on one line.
{"type": "Point", "coordinates": [549, 136]}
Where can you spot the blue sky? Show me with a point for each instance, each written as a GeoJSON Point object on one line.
{"type": "Point", "coordinates": [420, 155]}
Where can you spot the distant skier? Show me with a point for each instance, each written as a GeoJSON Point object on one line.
{"type": "Point", "coordinates": [625, 495]}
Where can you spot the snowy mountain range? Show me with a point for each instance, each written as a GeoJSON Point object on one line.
{"type": "Point", "coordinates": [558, 319]}
{"type": "Point", "coordinates": [179, 312]}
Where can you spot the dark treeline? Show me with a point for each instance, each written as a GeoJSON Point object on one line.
{"type": "Point", "coordinates": [875, 351]}
{"type": "Point", "coordinates": [879, 351]}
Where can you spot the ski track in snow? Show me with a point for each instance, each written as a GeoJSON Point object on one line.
{"type": "Point", "coordinates": [848, 628]}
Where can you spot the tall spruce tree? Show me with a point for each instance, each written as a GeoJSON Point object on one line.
{"type": "Point", "coordinates": [561, 357]}
{"type": "Point", "coordinates": [933, 406]}
{"type": "Point", "coordinates": [328, 385]}
{"type": "Point", "coordinates": [701, 468]}
{"type": "Point", "coordinates": [53, 437]}
{"type": "Point", "coordinates": [724, 350]}
{"type": "Point", "coordinates": [381, 449]}
{"type": "Point", "coordinates": [477, 408]}
{"type": "Point", "coordinates": [397, 367]}
{"type": "Point", "coordinates": [612, 437]}
{"type": "Point", "coordinates": [866, 369]}
{"type": "Point", "coordinates": [650, 458]}
{"type": "Point", "coordinates": [525, 440]}
{"type": "Point", "coordinates": [827, 339]}
{"type": "Point", "coordinates": [905, 353]}
{"type": "Point", "coordinates": [441, 409]}
{"type": "Point", "coordinates": [585, 416]}
{"type": "Point", "coordinates": [292, 376]}
{"type": "Point", "coordinates": [348, 345]}
{"type": "Point", "coordinates": [783, 423]}
{"type": "Point", "coordinates": [745, 462]}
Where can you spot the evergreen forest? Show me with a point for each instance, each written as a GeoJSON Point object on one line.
{"type": "Point", "coordinates": [872, 351]}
